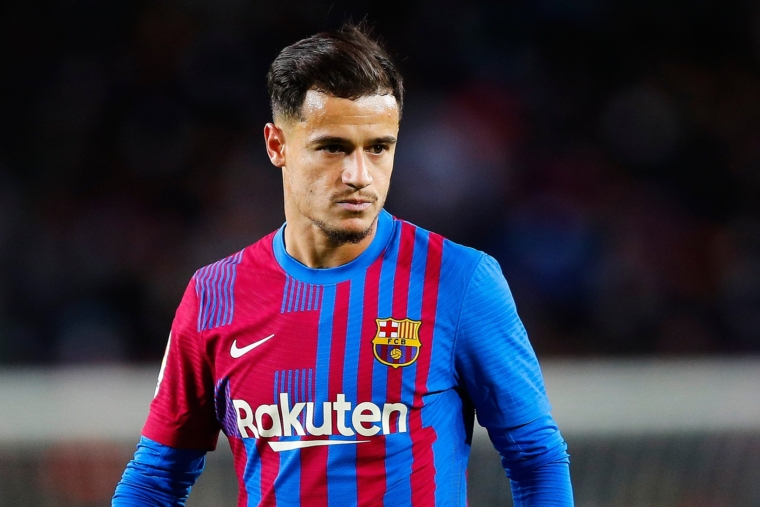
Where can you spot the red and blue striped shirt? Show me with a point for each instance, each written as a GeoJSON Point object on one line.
{"type": "Point", "coordinates": [355, 385]}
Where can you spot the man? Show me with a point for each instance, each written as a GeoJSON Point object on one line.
{"type": "Point", "coordinates": [344, 355]}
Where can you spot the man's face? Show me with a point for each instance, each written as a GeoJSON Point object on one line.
{"type": "Point", "coordinates": [336, 162]}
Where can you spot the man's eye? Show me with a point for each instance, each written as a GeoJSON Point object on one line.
{"type": "Point", "coordinates": [333, 148]}
{"type": "Point", "coordinates": [377, 149]}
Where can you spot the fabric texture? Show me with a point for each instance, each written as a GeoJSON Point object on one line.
{"type": "Point", "coordinates": [358, 385]}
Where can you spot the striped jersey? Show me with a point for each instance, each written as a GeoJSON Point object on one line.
{"type": "Point", "coordinates": [354, 385]}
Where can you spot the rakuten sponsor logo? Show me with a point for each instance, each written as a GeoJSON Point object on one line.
{"type": "Point", "coordinates": [278, 420]}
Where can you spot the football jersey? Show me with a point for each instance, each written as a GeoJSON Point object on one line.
{"type": "Point", "coordinates": [353, 385]}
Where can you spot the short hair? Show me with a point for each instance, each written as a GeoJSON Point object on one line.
{"type": "Point", "coordinates": [347, 63]}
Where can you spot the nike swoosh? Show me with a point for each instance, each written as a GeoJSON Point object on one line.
{"type": "Point", "coordinates": [235, 352]}
{"type": "Point", "coordinates": [300, 444]}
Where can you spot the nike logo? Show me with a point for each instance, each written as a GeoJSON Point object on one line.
{"type": "Point", "coordinates": [236, 352]}
{"type": "Point", "coordinates": [300, 444]}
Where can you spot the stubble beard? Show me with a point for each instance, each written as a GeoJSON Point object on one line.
{"type": "Point", "coordinates": [343, 236]}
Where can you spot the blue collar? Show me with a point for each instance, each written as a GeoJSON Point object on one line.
{"type": "Point", "coordinates": [340, 273]}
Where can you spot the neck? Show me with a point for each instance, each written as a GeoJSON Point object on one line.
{"type": "Point", "coordinates": [312, 247]}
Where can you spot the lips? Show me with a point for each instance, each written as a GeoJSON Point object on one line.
{"type": "Point", "coordinates": [354, 204]}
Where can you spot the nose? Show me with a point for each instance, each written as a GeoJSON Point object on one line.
{"type": "Point", "coordinates": [356, 172]}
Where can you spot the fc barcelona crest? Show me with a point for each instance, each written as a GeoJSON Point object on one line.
{"type": "Point", "coordinates": [397, 342]}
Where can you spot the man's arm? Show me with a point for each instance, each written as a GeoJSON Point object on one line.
{"type": "Point", "coordinates": [496, 365]}
{"type": "Point", "coordinates": [181, 424]}
{"type": "Point", "coordinates": [536, 461]}
{"type": "Point", "coordinates": [158, 476]}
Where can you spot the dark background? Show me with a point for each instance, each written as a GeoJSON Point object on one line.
{"type": "Point", "coordinates": [606, 153]}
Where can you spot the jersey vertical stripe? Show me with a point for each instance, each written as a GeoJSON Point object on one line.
{"type": "Point", "coordinates": [270, 467]}
{"type": "Point", "coordinates": [386, 284]}
{"type": "Point", "coordinates": [370, 478]}
{"type": "Point", "coordinates": [339, 492]}
{"type": "Point", "coordinates": [289, 479]}
{"type": "Point", "coordinates": [423, 474]}
{"type": "Point", "coordinates": [252, 474]}
{"type": "Point", "coordinates": [413, 312]}
{"type": "Point", "coordinates": [400, 302]}
{"type": "Point", "coordinates": [314, 462]}
{"type": "Point", "coordinates": [450, 456]}
{"type": "Point", "coordinates": [214, 286]}
{"type": "Point", "coordinates": [242, 461]}
{"type": "Point", "coordinates": [298, 296]}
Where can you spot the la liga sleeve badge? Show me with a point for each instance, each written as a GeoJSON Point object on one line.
{"type": "Point", "coordinates": [397, 342]}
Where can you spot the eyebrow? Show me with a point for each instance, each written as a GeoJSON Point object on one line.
{"type": "Point", "coordinates": [323, 140]}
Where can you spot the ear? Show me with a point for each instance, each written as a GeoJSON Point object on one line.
{"type": "Point", "coordinates": [274, 139]}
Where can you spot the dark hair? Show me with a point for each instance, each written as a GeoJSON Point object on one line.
{"type": "Point", "coordinates": [348, 64]}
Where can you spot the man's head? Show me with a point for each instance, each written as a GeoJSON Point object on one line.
{"type": "Point", "coordinates": [336, 102]}
{"type": "Point", "coordinates": [347, 64]}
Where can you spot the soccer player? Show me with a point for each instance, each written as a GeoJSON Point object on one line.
{"type": "Point", "coordinates": [346, 354]}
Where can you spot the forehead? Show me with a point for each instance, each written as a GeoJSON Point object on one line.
{"type": "Point", "coordinates": [324, 110]}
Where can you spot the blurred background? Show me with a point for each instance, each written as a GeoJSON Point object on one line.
{"type": "Point", "coordinates": [607, 153]}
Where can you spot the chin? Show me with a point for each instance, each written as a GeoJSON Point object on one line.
{"type": "Point", "coordinates": [354, 231]}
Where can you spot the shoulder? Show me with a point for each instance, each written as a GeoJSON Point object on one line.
{"type": "Point", "coordinates": [451, 252]}
{"type": "Point", "coordinates": [250, 255]}
{"type": "Point", "coordinates": [215, 283]}
{"type": "Point", "coordinates": [455, 262]}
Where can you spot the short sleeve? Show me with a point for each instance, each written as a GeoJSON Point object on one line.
{"type": "Point", "coordinates": [494, 360]}
{"type": "Point", "coordinates": [182, 411]}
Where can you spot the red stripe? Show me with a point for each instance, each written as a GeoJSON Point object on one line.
{"type": "Point", "coordinates": [338, 343]}
{"type": "Point", "coordinates": [400, 302]}
{"type": "Point", "coordinates": [370, 458]}
{"type": "Point", "coordinates": [313, 479]}
{"type": "Point", "coordinates": [270, 467]}
{"type": "Point", "coordinates": [423, 466]}
{"type": "Point", "coordinates": [314, 460]}
{"type": "Point", "coordinates": [313, 467]}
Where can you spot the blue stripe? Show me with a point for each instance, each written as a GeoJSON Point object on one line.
{"type": "Point", "coordinates": [340, 491]}
{"type": "Point", "coordinates": [215, 295]}
{"type": "Point", "coordinates": [380, 372]}
{"type": "Point", "coordinates": [276, 381]}
{"type": "Point", "coordinates": [353, 338]}
{"type": "Point", "coordinates": [384, 310]}
{"type": "Point", "coordinates": [225, 281]}
{"type": "Point", "coordinates": [288, 478]}
{"type": "Point", "coordinates": [200, 294]}
{"type": "Point", "coordinates": [310, 392]}
{"type": "Point", "coordinates": [324, 341]}
{"type": "Point", "coordinates": [298, 296]}
{"type": "Point", "coordinates": [290, 295]}
{"type": "Point", "coordinates": [221, 299]}
{"type": "Point", "coordinates": [215, 287]}
{"type": "Point", "coordinates": [285, 293]}
{"type": "Point", "coordinates": [302, 395]}
{"type": "Point", "coordinates": [252, 472]}
{"type": "Point", "coordinates": [207, 296]}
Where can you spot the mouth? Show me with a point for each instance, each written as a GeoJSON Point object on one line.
{"type": "Point", "coordinates": [355, 205]}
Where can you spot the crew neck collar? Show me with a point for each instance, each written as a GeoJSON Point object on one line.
{"type": "Point", "coordinates": [337, 274]}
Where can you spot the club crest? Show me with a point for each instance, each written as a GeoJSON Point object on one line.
{"type": "Point", "coordinates": [397, 342]}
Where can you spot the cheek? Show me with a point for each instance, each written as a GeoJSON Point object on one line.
{"type": "Point", "coordinates": [384, 171]}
